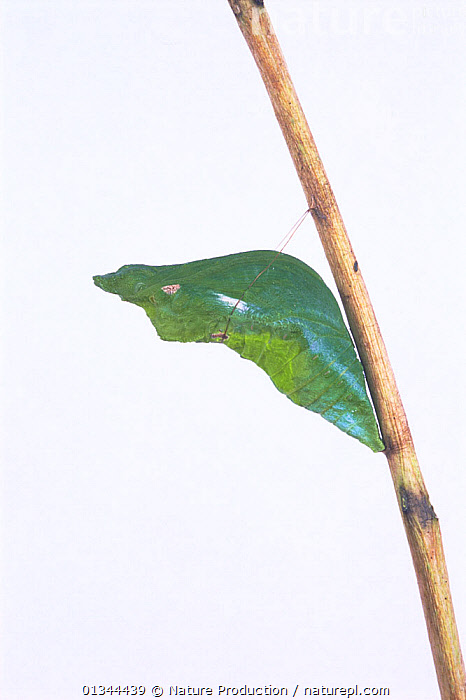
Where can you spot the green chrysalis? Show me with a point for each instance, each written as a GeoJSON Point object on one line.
{"type": "Point", "coordinates": [288, 322]}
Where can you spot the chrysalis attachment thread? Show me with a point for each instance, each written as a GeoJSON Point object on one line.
{"type": "Point", "coordinates": [285, 240]}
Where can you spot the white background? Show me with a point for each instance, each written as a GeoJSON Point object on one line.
{"type": "Point", "coordinates": [168, 516]}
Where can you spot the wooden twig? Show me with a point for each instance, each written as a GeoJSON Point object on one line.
{"type": "Point", "coordinates": [420, 522]}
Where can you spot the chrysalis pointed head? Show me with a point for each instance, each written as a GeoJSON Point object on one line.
{"type": "Point", "coordinates": [131, 282]}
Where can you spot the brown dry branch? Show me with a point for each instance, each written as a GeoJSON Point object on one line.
{"type": "Point", "coordinates": [419, 519]}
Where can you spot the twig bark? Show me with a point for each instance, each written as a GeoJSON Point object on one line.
{"type": "Point", "coordinates": [419, 519]}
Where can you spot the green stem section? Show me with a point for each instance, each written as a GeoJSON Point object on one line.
{"type": "Point", "coordinates": [420, 522]}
